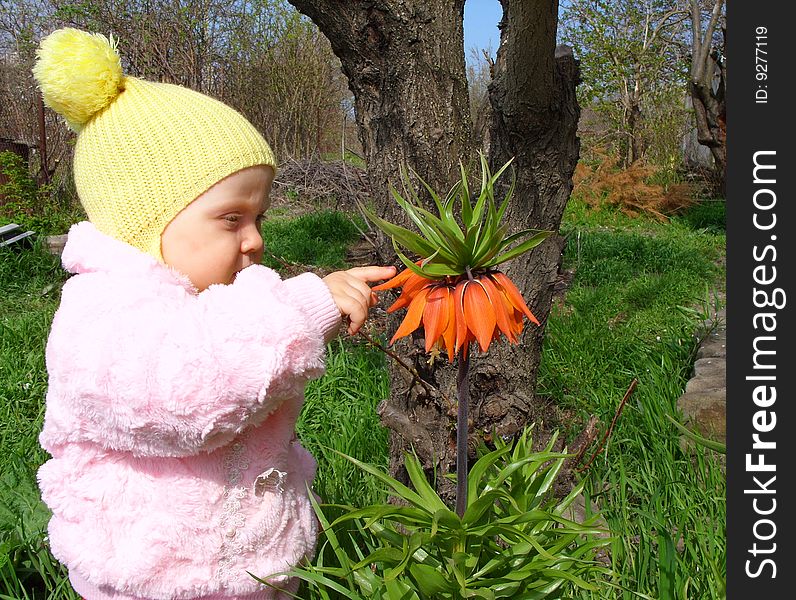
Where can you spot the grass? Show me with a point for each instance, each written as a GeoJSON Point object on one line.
{"type": "Point", "coordinates": [639, 290]}
{"type": "Point", "coordinates": [30, 281]}
{"type": "Point", "coordinates": [339, 415]}
{"type": "Point", "coordinates": [317, 239]}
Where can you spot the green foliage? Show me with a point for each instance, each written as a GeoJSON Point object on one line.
{"type": "Point", "coordinates": [29, 205]}
{"type": "Point", "coordinates": [30, 281]}
{"type": "Point", "coordinates": [316, 239]}
{"type": "Point", "coordinates": [27, 568]}
{"type": "Point", "coordinates": [638, 296]}
{"type": "Point", "coordinates": [448, 249]}
{"type": "Point", "coordinates": [512, 542]}
{"type": "Point", "coordinates": [709, 216]}
{"type": "Point", "coordinates": [339, 416]}
{"type": "Point", "coordinates": [633, 72]}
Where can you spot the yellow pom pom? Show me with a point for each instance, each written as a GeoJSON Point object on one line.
{"type": "Point", "coordinates": [79, 74]}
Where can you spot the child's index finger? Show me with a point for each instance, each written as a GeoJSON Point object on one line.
{"type": "Point", "coordinates": [373, 273]}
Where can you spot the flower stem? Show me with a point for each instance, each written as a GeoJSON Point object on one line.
{"type": "Point", "coordinates": [463, 394]}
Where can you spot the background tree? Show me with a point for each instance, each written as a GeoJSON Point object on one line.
{"type": "Point", "coordinates": [479, 75]}
{"type": "Point", "coordinates": [405, 65]}
{"type": "Point", "coordinates": [631, 60]}
{"type": "Point", "coordinates": [260, 56]}
{"type": "Point", "coordinates": [708, 79]}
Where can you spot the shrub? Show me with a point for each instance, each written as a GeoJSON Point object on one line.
{"type": "Point", "coordinates": [32, 206]}
{"type": "Point", "coordinates": [514, 540]}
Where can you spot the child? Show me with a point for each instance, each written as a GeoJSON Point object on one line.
{"type": "Point", "coordinates": [176, 362]}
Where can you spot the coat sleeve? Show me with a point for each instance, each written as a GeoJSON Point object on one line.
{"type": "Point", "coordinates": [170, 374]}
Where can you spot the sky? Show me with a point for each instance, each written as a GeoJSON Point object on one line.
{"type": "Point", "coordinates": [480, 25]}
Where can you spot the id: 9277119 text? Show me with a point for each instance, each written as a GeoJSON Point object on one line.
{"type": "Point", "coordinates": [761, 64]}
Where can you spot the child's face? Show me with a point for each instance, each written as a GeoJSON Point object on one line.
{"type": "Point", "coordinates": [218, 234]}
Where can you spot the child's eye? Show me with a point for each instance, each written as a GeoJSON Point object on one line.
{"type": "Point", "coordinates": [233, 219]}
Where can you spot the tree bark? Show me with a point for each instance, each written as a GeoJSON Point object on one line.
{"type": "Point", "coordinates": [534, 119]}
{"type": "Point", "coordinates": [404, 60]}
{"type": "Point", "coordinates": [707, 88]}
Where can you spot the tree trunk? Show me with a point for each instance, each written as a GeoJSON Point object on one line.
{"type": "Point", "coordinates": [635, 142]}
{"type": "Point", "coordinates": [707, 87]}
{"type": "Point", "coordinates": [711, 121]}
{"type": "Point", "coordinates": [404, 60]}
{"type": "Point", "coordinates": [534, 119]}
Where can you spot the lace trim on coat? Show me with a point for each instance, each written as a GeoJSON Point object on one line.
{"type": "Point", "coordinates": [232, 521]}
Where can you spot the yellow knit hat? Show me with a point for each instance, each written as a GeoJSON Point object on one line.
{"type": "Point", "coordinates": [144, 150]}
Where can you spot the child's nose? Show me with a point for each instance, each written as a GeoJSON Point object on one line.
{"type": "Point", "coordinates": [252, 241]}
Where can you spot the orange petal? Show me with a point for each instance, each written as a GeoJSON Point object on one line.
{"type": "Point", "coordinates": [461, 322]}
{"type": "Point", "coordinates": [517, 317]}
{"type": "Point", "coordinates": [396, 281]}
{"type": "Point", "coordinates": [513, 294]}
{"type": "Point", "coordinates": [449, 334]}
{"type": "Point", "coordinates": [413, 315]}
{"type": "Point", "coordinates": [435, 314]}
{"type": "Point", "coordinates": [514, 316]}
{"type": "Point", "coordinates": [496, 298]}
{"type": "Point", "coordinates": [479, 313]}
{"type": "Point", "coordinates": [414, 284]}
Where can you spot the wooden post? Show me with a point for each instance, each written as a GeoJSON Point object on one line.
{"type": "Point", "coordinates": [43, 141]}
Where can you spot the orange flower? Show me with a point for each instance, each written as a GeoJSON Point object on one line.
{"type": "Point", "coordinates": [456, 311]}
{"type": "Point", "coordinates": [455, 290]}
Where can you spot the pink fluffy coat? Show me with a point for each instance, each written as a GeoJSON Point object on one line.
{"type": "Point", "coordinates": [170, 420]}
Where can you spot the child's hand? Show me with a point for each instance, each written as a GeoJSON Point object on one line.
{"type": "Point", "coordinates": [351, 292]}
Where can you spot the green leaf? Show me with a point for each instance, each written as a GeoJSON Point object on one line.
{"type": "Point", "coordinates": [381, 555]}
{"type": "Point", "coordinates": [479, 469]}
{"type": "Point", "coordinates": [476, 509]}
{"type": "Point", "coordinates": [379, 512]}
{"type": "Point", "coordinates": [509, 195]}
{"type": "Point", "coordinates": [436, 242]}
{"type": "Point", "coordinates": [418, 479]}
{"type": "Point", "coordinates": [467, 207]}
{"type": "Point", "coordinates": [484, 593]}
{"type": "Point", "coordinates": [409, 264]}
{"type": "Point", "coordinates": [488, 247]}
{"type": "Point", "coordinates": [411, 545]}
{"type": "Point", "coordinates": [449, 238]}
{"type": "Point", "coordinates": [311, 576]}
{"type": "Point", "coordinates": [667, 565]}
{"type": "Point", "coordinates": [398, 590]}
{"type": "Point", "coordinates": [328, 531]}
{"type": "Point", "coordinates": [507, 589]}
{"type": "Point", "coordinates": [512, 467]}
{"type": "Point", "coordinates": [399, 488]}
{"type": "Point", "coordinates": [408, 239]}
{"type": "Point", "coordinates": [429, 232]}
{"type": "Point", "coordinates": [485, 174]}
{"type": "Point", "coordinates": [448, 204]}
{"type": "Point", "coordinates": [437, 271]}
{"type": "Point", "coordinates": [499, 172]}
{"type": "Point", "coordinates": [430, 271]}
{"type": "Point", "coordinates": [506, 242]}
{"type": "Point", "coordinates": [702, 441]}
{"type": "Point", "coordinates": [429, 580]}
{"type": "Point", "coordinates": [445, 208]}
{"type": "Point", "coordinates": [521, 249]}
{"type": "Point", "coordinates": [561, 573]}
{"type": "Point", "coordinates": [478, 210]}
